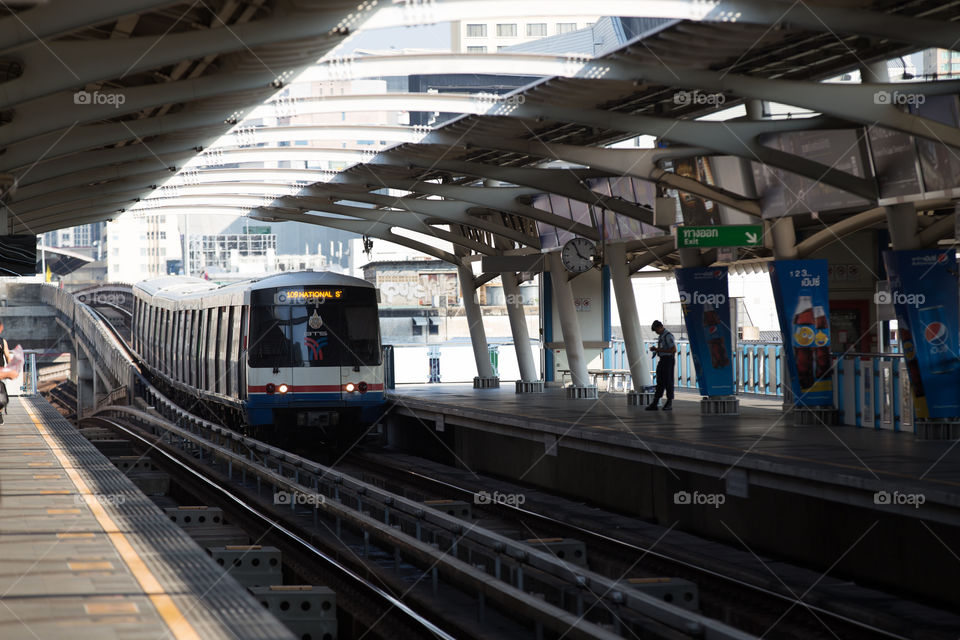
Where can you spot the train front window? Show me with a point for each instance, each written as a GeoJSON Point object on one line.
{"type": "Point", "coordinates": [362, 334]}
{"type": "Point", "coordinates": [329, 327]}
{"type": "Point", "coordinates": [270, 330]}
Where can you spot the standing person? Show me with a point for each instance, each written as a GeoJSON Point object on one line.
{"type": "Point", "coordinates": [4, 354]}
{"type": "Point", "coordinates": [667, 350]}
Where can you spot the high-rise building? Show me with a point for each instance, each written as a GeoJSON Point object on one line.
{"type": "Point", "coordinates": [140, 245]}
{"type": "Point", "coordinates": [490, 35]}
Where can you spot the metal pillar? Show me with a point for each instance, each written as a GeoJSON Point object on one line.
{"type": "Point", "coordinates": [570, 326]}
{"type": "Point", "coordinates": [784, 237]}
{"type": "Point", "coordinates": [902, 224]}
{"type": "Point", "coordinates": [528, 382]}
{"type": "Point", "coordinates": [478, 337]}
{"type": "Point", "coordinates": [629, 323]}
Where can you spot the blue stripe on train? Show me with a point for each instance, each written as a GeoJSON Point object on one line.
{"type": "Point", "coordinates": [260, 406]}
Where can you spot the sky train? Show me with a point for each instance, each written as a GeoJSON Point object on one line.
{"type": "Point", "coordinates": [291, 350]}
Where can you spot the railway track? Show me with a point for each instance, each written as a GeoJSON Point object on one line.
{"type": "Point", "coordinates": [757, 603]}
{"type": "Point", "coordinates": [366, 601]}
{"type": "Point", "coordinates": [450, 576]}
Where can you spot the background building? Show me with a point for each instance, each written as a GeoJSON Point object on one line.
{"type": "Point", "coordinates": [496, 34]}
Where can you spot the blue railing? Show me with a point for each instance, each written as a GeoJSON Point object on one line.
{"type": "Point", "coordinates": [757, 369]}
{"type": "Point", "coordinates": [871, 389]}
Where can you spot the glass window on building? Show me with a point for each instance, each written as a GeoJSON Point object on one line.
{"type": "Point", "coordinates": [476, 49]}
{"type": "Point", "coordinates": [566, 27]}
{"type": "Point", "coordinates": [507, 30]}
{"type": "Point", "coordinates": [537, 29]}
{"type": "Point", "coordinates": [476, 31]}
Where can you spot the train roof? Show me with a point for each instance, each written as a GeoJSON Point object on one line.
{"type": "Point", "coordinates": [183, 287]}
{"type": "Point", "coordinates": [174, 285]}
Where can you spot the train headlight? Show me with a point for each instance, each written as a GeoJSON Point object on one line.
{"type": "Point", "coordinates": [270, 388]}
{"type": "Point", "coordinates": [350, 387]}
{"type": "Point", "coordinates": [363, 387]}
{"type": "Point", "coordinates": [283, 388]}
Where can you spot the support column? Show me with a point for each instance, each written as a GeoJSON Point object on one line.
{"type": "Point", "coordinates": [528, 382]}
{"type": "Point", "coordinates": [629, 323]}
{"type": "Point", "coordinates": [902, 224]}
{"type": "Point", "coordinates": [570, 326]}
{"type": "Point", "coordinates": [478, 337]}
{"type": "Point", "coordinates": [784, 237]}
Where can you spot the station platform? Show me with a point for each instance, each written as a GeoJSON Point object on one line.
{"type": "Point", "coordinates": [85, 554]}
{"type": "Point", "coordinates": [761, 480]}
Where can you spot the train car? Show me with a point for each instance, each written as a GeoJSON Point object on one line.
{"type": "Point", "coordinates": [297, 350]}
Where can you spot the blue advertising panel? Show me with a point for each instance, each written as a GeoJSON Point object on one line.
{"type": "Point", "coordinates": [800, 292]}
{"type": "Point", "coordinates": [923, 290]}
{"type": "Point", "coordinates": [706, 311]}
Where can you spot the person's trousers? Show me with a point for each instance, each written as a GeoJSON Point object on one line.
{"type": "Point", "coordinates": [664, 378]}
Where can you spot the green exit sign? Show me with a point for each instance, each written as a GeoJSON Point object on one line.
{"type": "Point", "coordinates": [736, 235]}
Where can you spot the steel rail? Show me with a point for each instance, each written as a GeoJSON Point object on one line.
{"type": "Point", "coordinates": [583, 532]}
{"type": "Point", "coordinates": [239, 502]}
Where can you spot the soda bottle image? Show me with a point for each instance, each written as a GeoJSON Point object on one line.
{"type": "Point", "coordinates": [913, 372]}
{"type": "Point", "coordinates": [803, 336]}
{"type": "Point", "coordinates": [937, 344]}
{"type": "Point", "coordinates": [821, 339]}
{"type": "Point", "coordinates": [718, 348]}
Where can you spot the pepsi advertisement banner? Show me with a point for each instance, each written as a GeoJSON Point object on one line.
{"type": "Point", "coordinates": [803, 307]}
{"type": "Point", "coordinates": [923, 291]}
{"type": "Point", "coordinates": [706, 311]}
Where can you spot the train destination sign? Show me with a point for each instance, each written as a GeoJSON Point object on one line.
{"type": "Point", "coordinates": [307, 296]}
{"type": "Point", "coordinates": [736, 235]}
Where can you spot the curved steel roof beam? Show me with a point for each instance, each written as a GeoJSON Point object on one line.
{"type": "Point", "coordinates": [640, 163]}
{"type": "Point", "coordinates": [62, 65]}
{"type": "Point", "coordinates": [57, 144]}
{"type": "Point", "coordinates": [373, 229]}
{"type": "Point", "coordinates": [737, 138]}
{"type": "Point", "coordinates": [67, 196]}
{"type": "Point", "coordinates": [166, 152]}
{"type": "Point", "coordinates": [403, 219]}
{"type": "Point", "coordinates": [869, 104]}
{"type": "Point", "coordinates": [558, 181]}
{"type": "Point", "coordinates": [499, 63]}
{"type": "Point", "coordinates": [498, 199]}
{"type": "Point", "coordinates": [58, 111]}
{"type": "Point", "coordinates": [94, 177]}
{"type": "Point", "coordinates": [60, 17]}
{"type": "Point", "coordinates": [448, 211]}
